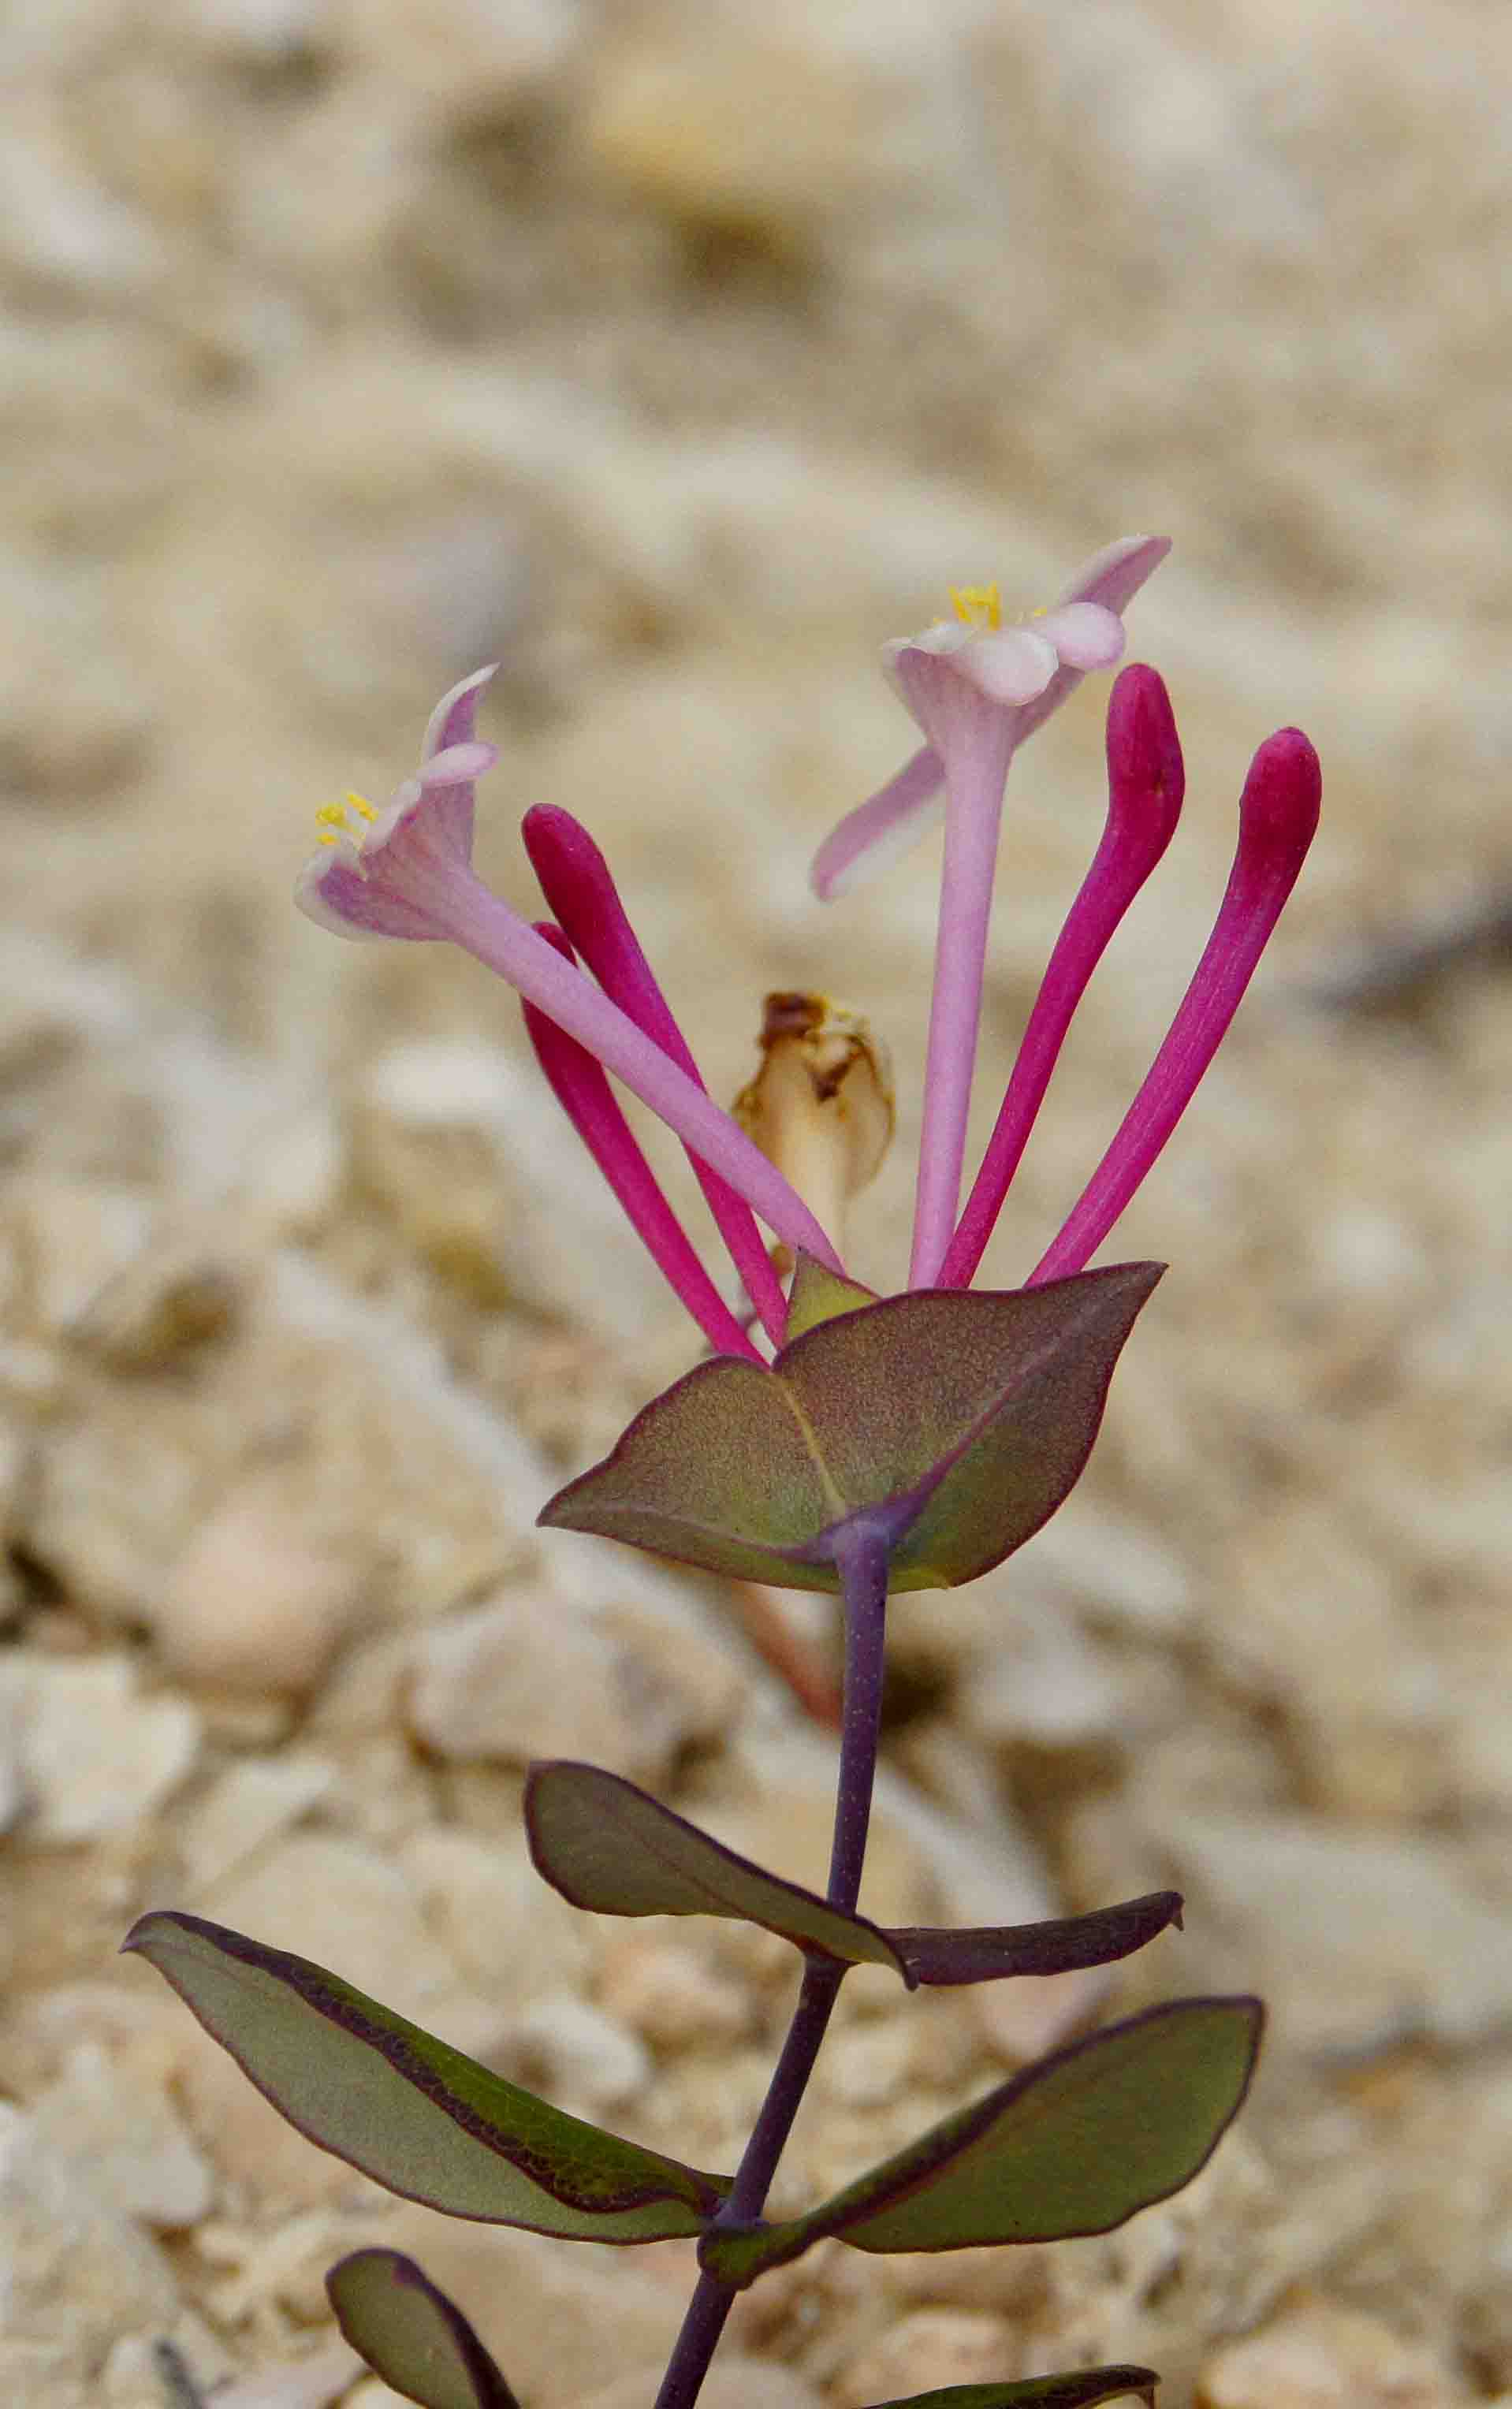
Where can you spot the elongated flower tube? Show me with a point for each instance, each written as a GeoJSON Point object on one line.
{"type": "Point", "coordinates": [977, 690]}
{"type": "Point", "coordinates": [577, 884]}
{"type": "Point", "coordinates": [1146, 781]}
{"type": "Point", "coordinates": [407, 872]}
{"type": "Point", "coordinates": [1277, 821]}
{"type": "Point", "coordinates": [581, 1088]}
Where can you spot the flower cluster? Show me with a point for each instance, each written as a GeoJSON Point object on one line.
{"type": "Point", "coordinates": [977, 690]}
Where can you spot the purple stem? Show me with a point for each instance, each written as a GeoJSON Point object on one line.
{"type": "Point", "coordinates": [973, 814]}
{"type": "Point", "coordinates": [1278, 820]}
{"type": "Point", "coordinates": [581, 1088]}
{"type": "Point", "coordinates": [862, 1553]}
{"type": "Point", "coordinates": [578, 885]}
{"type": "Point", "coordinates": [1146, 784]}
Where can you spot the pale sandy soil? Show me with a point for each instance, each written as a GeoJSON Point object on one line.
{"type": "Point", "coordinates": [678, 357]}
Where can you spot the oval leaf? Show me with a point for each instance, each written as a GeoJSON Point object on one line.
{"type": "Point", "coordinates": [418, 2116]}
{"type": "Point", "coordinates": [605, 1844]}
{"type": "Point", "coordinates": [968, 1416]}
{"type": "Point", "coordinates": [1074, 2144]}
{"type": "Point", "coordinates": [1085, 2390]}
{"type": "Point", "coordinates": [412, 2335]}
{"type": "Point", "coordinates": [990, 1952]}
{"type": "Point", "coordinates": [818, 1294]}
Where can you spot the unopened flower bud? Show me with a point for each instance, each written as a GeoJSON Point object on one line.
{"type": "Point", "coordinates": [821, 1105]}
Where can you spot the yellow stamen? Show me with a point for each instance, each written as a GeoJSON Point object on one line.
{"type": "Point", "coordinates": [977, 606]}
{"type": "Point", "coordinates": [360, 804]}
{"type": "Point", "coordinates": [331, 815]}
{"type": "Point", "coordinates": [325, 836]}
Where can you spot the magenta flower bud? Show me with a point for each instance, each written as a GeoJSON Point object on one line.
{"type": "Point", "coordinates": [581, 1088]}
{"type": "Point", "coordinates": [407, 872]}
{"type": "Point", "coordinates": [1277, 821]}
{"type": "Point", "coordinates": [1146, 781]}
{"type": "Point", "coordinates": [577, 882]}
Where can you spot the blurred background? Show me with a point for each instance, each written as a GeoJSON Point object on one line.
{"type": "Point", "coordinates": [676, 356]}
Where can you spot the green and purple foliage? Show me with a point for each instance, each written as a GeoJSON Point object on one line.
{"type": "Point", "coordinates": [834, 1439]}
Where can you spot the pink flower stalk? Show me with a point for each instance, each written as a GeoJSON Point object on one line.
{"type": "Point", "coordinates": [977, 689]}
{"type": "Point", "coordinates": [576, 882]}
{"type": "Point", "coordinates": [1278, 820]}
{"type": "Point", "coordinates": [1146, 781]}
{"type": "Point", "coordinates": [577, 1082]}
{"type": "Point", "coordinates": [407, 872]}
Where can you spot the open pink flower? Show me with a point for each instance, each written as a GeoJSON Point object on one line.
{"type": "Point", "coordinates": [407, 872]}
{"type": "Point", "coordinates": [977, 690]}
{"type": "Point", "coordinates": [1029, 670]}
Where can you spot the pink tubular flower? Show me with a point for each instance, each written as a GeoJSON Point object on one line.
{"type": "Point", "coordinates": [900, 812]}
{"type": "Point", "coordinates": [976, 690]}
{"type": "Point", "coordinates": [407, 872]}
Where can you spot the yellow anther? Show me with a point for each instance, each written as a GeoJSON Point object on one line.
{"type": "Point", "coordinates": [325, 836]}
{"type": "Point", "coordinates": [331, 815]}
{"type": "Point", "coordinates": [360, 804]}
{"type": "Point", "coordinates": [977, 606]}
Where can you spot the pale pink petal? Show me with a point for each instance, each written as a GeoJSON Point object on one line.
{"type": "Point", "coordinates": [456, 764]}
{"type": "Point", "coordinates": [450, 721]}
{"type": "Point", "coordinates": [1011, 666]}
{"type": "Point", "coordinates": [1114, 575]}
{"type": "Point", "coordinates": [887, 823]}
{"type": "Point", "coordinates": [1085, 635]}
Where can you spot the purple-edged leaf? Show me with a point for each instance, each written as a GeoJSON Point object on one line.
{"type": "Point", "coordinates": [605, 1844]}
{"type": "Point", "coordinates": [1085, 2390]}
{"type": "Point", "coordinates": [417, 2115]}
{"type": "Point", "coordinates": [412, 2335]}
{"type": "Point", "coordinates": [988, 1952]}
{"type": "Point", "coordinates": [818, 1294]}
{"type": "Point", "coordinates": [968, 1416]}
{"type": "Point", "coordinates": [1072, 2145]}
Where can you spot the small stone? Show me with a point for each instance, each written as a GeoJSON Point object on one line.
{"type": "Point", "coordinates": [468, 1154]}
{"type": "Point", "coordinates": [75, 1237]}
{"type": "Point", "coordinates": [110, 2116]}
{"type": "Point", "coordinates": [95, 1754]}
{"type": "Point", "coordinates": [1350, 1935]}
{"type": "Point", "coordinates": [173, 1300]}
{"type": "Point", "coordinates": [867, 2064]}
{"type": "Point", "coordinates": [250, 1805]}
{"type": "Point", "coordinates": [578, 2055]}
{"type": "Point", "coordinates": [1318, 2354]}
{"type": "Point", "coordinates": [672, 1996]}
{"type": "Point", "coordinates": [533, 1674]}
{"type": "Point", "coordinates": [78, 2275]}
{"type": "Point", "coordinates": [521, 1677]}
{"type": "Point", "coordinates": [268, 1588]}
{"type": "Point", "coordinates": [926, 2350]}
{"type": "Point", "coordinates": [510, 1935]}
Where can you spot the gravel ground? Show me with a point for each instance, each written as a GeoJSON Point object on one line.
{"type": "Point", "coordinates": [678, 357]}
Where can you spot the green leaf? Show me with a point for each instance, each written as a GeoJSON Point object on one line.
{"type": "Point", "coordinates": [608, 1846]}
{"type": "Point", "coordinates": [968, 1416]}
{"type": "Point", "coordinates": [412, 2335]}
{"type": "Point", "coordinates": [605, 1844]}
{"type": "Point", "coordinates": [1084, 2390]}
{"type": "Point", "coordinates": [818, 1294]}
{"type": "Point", "coordinates": [417, 2115]}
{"type": "Point", "coordinates": [1072, 2145]}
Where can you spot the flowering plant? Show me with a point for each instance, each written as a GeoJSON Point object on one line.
{"type": "Point", "coordinates": [832, 1439]}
